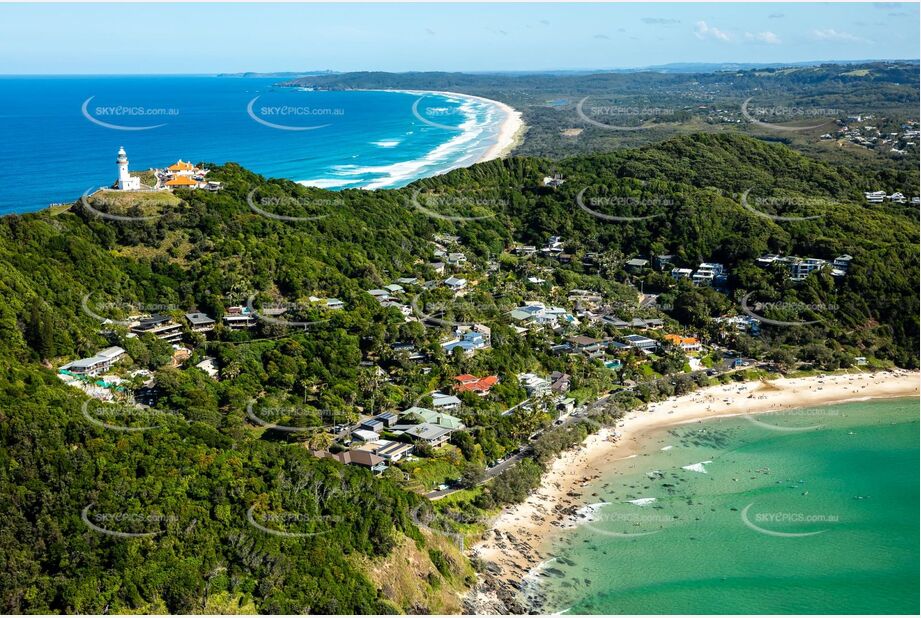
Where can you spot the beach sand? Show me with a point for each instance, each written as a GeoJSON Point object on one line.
{"type": "Point", "coordinates": [515, 543]}
{"type": "Point", "coordinates": [511, 131]}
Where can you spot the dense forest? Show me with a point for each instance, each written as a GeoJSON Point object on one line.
{"type": "Point", "coordinates": [192, 486]}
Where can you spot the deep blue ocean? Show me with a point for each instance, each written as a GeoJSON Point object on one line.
{"type": "Point", "coordinates": [59, 135]}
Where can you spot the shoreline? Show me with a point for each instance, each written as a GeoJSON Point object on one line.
{"type": "Point", "coordinates": [516, 541]}
{"type": "Point", "coordinates": [511, 129]}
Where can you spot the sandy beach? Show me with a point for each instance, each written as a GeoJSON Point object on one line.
{"type": "Point", "coordinates": [511, 131]}
{"type": "Point", "coordinates": [515, 543]}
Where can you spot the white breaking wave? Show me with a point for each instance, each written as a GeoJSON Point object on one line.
{"type": "Point", "coordinates": [667, 448]}
{"type": "Point", "coordinates": [441, 159]}
{"type": "Point", "coordinates": [387, 143]}
{"type": "Point", "coordinates": [642, 501]}
{"type": "Point", "coordinates": [326, 183]}
{"type": "Point", "coordinates": [698, 467]}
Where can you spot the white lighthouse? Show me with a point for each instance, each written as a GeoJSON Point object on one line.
{"type": "Point", "coordinates": [126, 182]}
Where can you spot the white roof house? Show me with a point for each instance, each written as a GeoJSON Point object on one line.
{"type": "Point", "coordinates": [445, 402]}
{"type": "Point", "coordinates": [455, 283]}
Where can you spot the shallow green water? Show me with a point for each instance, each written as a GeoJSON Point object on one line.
{"type": "Point", "coordinates": [813, 511]}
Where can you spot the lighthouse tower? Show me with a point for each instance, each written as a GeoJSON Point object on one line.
{"type": "Point", "coordinates": [126, 182]}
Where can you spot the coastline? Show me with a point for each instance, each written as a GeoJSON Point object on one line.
{"type": "Point", "coordinates": [511, 129]}
{"type": "Point", "coordinates": [516, 541]}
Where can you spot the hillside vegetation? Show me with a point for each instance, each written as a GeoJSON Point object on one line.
{"type": "Point", "coordinates": [192, 482]}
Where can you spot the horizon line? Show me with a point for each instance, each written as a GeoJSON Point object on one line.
{"type": "Point", "coordinates": [313, 72]}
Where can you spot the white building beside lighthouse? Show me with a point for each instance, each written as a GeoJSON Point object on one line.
{"type": "Point", "coordinates": [126, 182]}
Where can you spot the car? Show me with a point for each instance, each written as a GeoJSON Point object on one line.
{"type": "Point", "coordinates": [442, 487]}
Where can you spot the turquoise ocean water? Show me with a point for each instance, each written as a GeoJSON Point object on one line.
{"type": "Point", "coordinates": [813, 511]}
{"type": "Point", "coordinates": [61, 134]}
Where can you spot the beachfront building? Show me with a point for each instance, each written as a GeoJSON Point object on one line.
{"type": "Point", "coordinates": [126, 182]}
{"type": "Point", "coordinates": [688, 344]}
{"type": "Point", "coordinates": [644, 344]}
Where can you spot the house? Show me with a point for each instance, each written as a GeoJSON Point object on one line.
{"type": "Point", "coordinates": [199, 322]}
{"type": "Point", "coordinates": [636, 265]}
{"type": "Point", "coordinates": [438, 267]}
{"type": "Point", "coordinates": [875, 197]}
{"type": "Point", "coordinates": [469, 343]}
{"type": "Point", "coordinates": [239, 318]}
{"type": "Point", "coordinates": [467, 383]}
{"type": "Point", "coordinates": [355, 457]}
{"type": "Point", "coordinates": [554, 246]}
{"type": "Point", "coordinates": [860, 360]}
{"type": "Point", "coordinates": [407, 280]}
{"type": "Point", "coordinates": [688, 344]}
{"type": "Point", "coordinates": [394, 288]}
{"type": "Point", "coordinates": [372, 424]}
{"type": "Point", "coordinates": [433, 435]}
{"type": "Point", "coordinates": [800, 268]}
{"type": "Point", "coordinates": [160, 326]}
{"type": "Point", "coordinates": [424, 415]}
{"type": "Point", "coordinates": [456, 259]}
{"type": "Point", "coordinates": [681, 273]}
{"type": "Point", "coordinates": [840, 265]}
{"type": "Point", "coordinates": [639, 342]}
{"type": "Point", "coordinates": [455, 284]}
{"type": "Point", "coordinates": [534, 312]}
{"type": "Point", "coordinates": [365, 435]}
{"type": "Point", "coordinates": [379, 294]}
{"type": "Point", "coordinates": [664, 261]}
{"type": "Point", "coordinates": [389, 450]}
{"type": "Point", "coordinates": [560, 382]}
{"type": "Point", "coordinates": [553, 181]}
{"type": "Point", "coordinates": [388, 419]}
{"type": "Point", "coordinates": [209, 366]}
{"type": "Point", "coordinates": [100, 362]}
{"type": "Point", "coordinates": [615, 321]}
{"type": "Point", "coordinates": [534, 385]}
{"type": "Point", "coordinates": [709, 273]}
{"type": "Point", "coordinates": [469, 339]}
{"type": "Point", "coordinates": [565, 406]}
{"type": "Point", "coordinates": [587, 346]}
{"type": "Point", "coordinates": [445, 402]}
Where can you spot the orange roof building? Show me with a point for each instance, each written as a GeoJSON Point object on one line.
{"type": "Point", "coordinates": [181, 166]}
{"type": "Point", "coordinates": [181, 181]}
{"type": "Point", "coordinates": [688, 344]}
{"type": "Point", "coordinates": [467, 383]}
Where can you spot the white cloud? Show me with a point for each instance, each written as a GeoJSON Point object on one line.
{"type": "Point", "coordinates": [763, 37]}
{"type": "Point", "coordinates": [830, 34]}
{"type": "Point", "coordinates": [703, 31]}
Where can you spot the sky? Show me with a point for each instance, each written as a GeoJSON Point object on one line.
{"type": "Point", "coordinates": [214, 38]}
